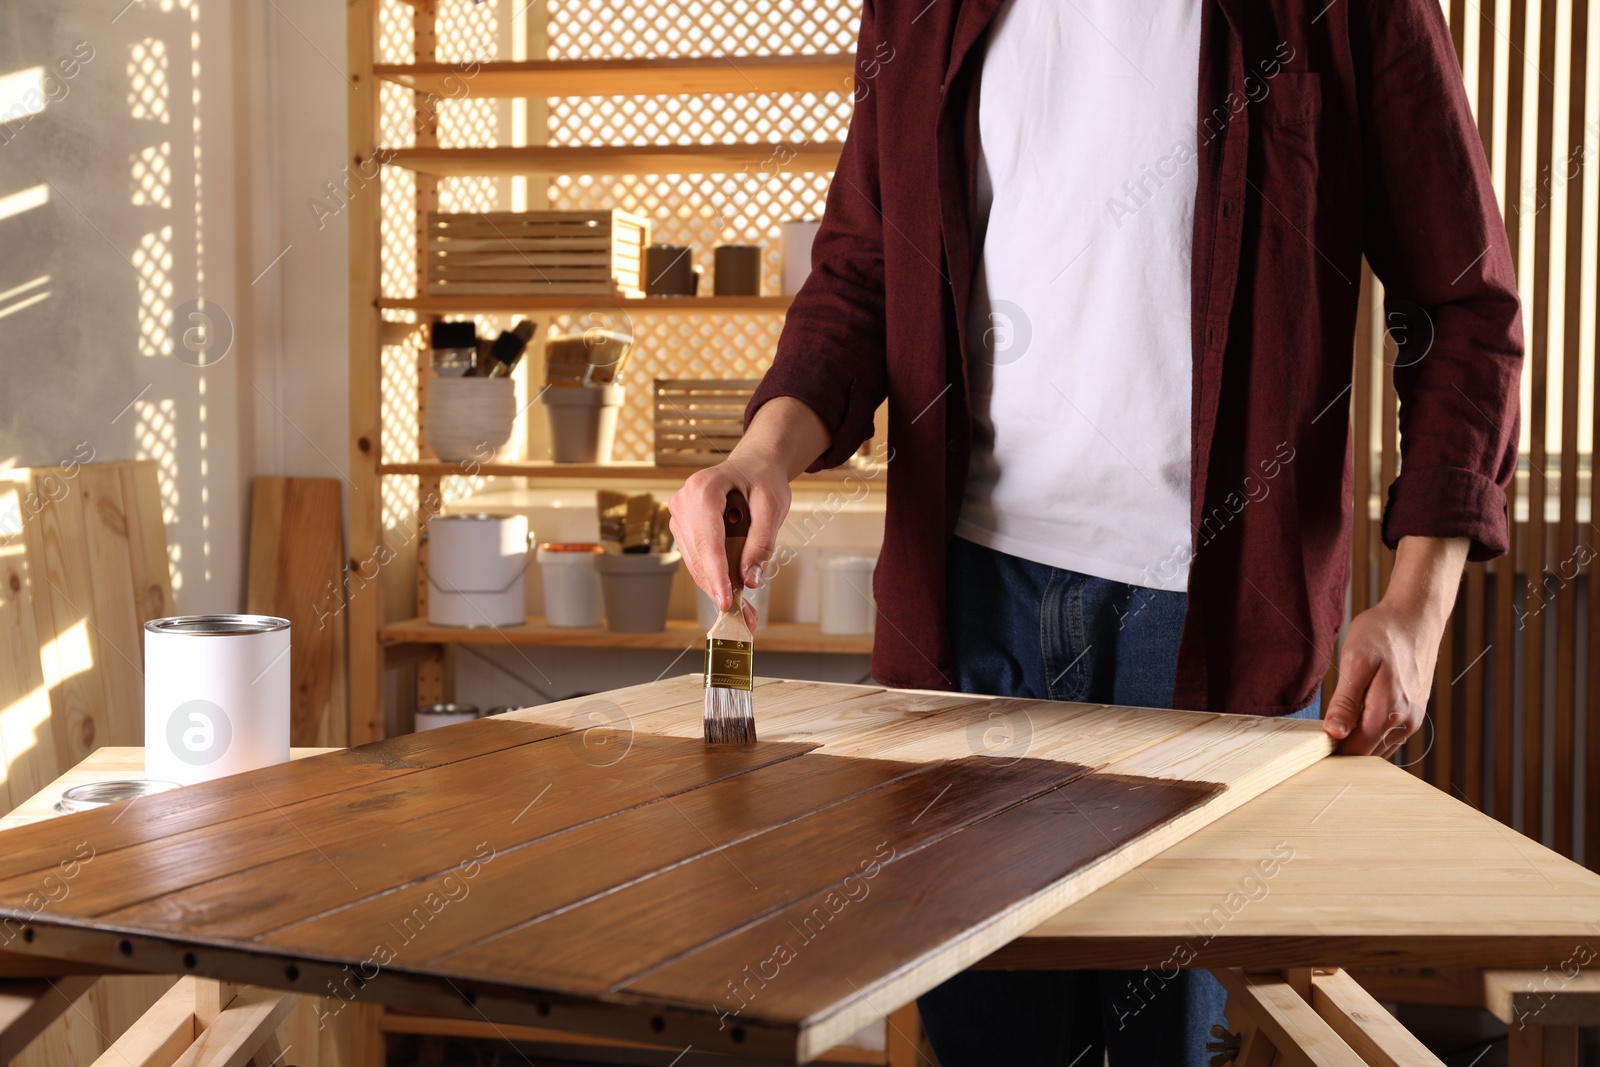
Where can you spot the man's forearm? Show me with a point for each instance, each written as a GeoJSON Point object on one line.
{"type": "Point", "coordinates": [785, 433]}
{"type": "Point", "coordinates": [1427, 574]}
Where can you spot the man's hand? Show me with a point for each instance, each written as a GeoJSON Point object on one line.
{"type": "Point", "coordinates": [1386, 667]}
{"type": "Point", "coordinates": [780, 442]}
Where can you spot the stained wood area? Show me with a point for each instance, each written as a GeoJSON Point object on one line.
{"type": "Point", "coordinates": [593, 866]}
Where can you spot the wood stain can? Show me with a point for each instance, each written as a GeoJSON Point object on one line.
{"type": "Point", "coordinates": [216, 696]}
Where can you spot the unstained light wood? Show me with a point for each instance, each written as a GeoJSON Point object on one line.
{"type": "Point", "coordinates": [629, 77]}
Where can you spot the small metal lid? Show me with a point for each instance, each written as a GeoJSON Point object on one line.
{"type": "Point", "coordinates": [99, 794]}
{"type": "Point", "coordinates": [501, 709]}
{"type": "Point", "coordinates": [475, 517]}
{"type": "Point", "coordinates": [217, 625]}
{"type": "Point", "coordinates": [448, 709]}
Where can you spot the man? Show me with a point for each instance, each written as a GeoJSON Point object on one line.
{"type": "Point", "coordinates": [1102, 259]}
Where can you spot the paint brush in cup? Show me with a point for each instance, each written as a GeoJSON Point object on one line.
{"type": "Point", "coordinates": [729, 710]}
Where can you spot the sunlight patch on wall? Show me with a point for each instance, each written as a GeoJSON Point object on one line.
{"type": "Point", "coordinates": [147, 80]}
{"type": "Point", "coordinates": [153, 260]}
{"type": "Point", "coordinates": [152, 175]}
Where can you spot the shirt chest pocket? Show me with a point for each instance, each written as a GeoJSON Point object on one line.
{"type": "Point", "coordinates": [1285, 118]}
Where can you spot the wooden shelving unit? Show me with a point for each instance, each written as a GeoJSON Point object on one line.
{"type": "Point", "coordinates": [679, 634]}
{"type": "Point", "coordinates": [432, 80]}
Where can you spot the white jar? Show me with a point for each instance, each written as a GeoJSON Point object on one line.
{"type": "Point", "coordinates": [847, 602]}
{"type": "Point", "coordinates": [476, 565]}
{"type": "Point", "coordinates": [216, 696]}
{"type": "Point", "coordinates": [571, 584]}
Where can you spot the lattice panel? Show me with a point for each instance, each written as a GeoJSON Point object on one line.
{"type": "Point", "coordinates": [598, 28]}
{"type": "Point", "coordinates": [698, 210]}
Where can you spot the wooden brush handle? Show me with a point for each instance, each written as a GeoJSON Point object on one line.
{"type": "Point", "coordinates": [735, 528]}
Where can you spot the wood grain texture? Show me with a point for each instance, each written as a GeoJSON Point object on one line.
{"type": "Point", "coordinates": [297, 573]}
{"type": "Point", "coordinates": [593, 865]}
{"type": "Point", "coordinates": [1351, 862]}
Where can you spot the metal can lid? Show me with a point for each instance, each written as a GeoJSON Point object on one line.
{"type": "Point", "coordinates": [99, 794]}
{"type": "Point", "coordinates": [217, 625]}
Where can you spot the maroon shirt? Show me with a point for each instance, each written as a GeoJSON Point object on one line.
{"type": "Point", "coordinates": [1325, 132]}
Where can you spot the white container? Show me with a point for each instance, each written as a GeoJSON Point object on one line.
{"type": "Point", "coordinates": [583, 422]}
{"type": "Point", "coordinates": [706, 610]}
{"type": "Point", "coordinates": [847, 602]}
{"type": "Point", "coordinates": [475, 569]}
{"type": "Point", "coordinates": [216, 696]}
{"type": "Point", "coordinates": [794, 249]}
{"type": "Point", "coordinates": [637, 589]}
{"type": "Point", "coordinates": [470, 418]}
{"type": "Point", "coordinates": [571, 584]}
{"type": "Point", "coordinates": [436, 715]}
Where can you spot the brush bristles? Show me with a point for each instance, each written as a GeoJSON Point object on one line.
{"type": "Point", "coordinates": [730, 717]}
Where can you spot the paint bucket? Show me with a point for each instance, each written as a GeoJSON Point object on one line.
{"type": "Point", "coordinates": [847, 602]}
{"type": "Point", "coordinates": [583, 422]}
{"type": "Point", "coordinates": [475, 569]}
{"type": "Point", "coordinates": [433, 716]}
{"type": "Point", "coordinates": [571, 584]}
{"type": "Point", "coordinates": [637, 589]}
{"type": "Point", "coordinates": [216, 696]}
{"type": "Point", "coordinates": [794, 249]}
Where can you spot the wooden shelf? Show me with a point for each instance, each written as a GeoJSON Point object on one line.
{"type": "Point", "coordinates": [672, 76]}
{"type": "Point", "coordinates": [556, 474]}
{"type": "Point", "coordinates": [639, 305]}
{"type": "Point", "coordinates": [679, 635]}
{"type": "Point", "coordinates": [551, 160]}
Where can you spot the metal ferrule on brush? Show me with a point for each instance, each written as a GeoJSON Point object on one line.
{"type": "Point", "coordinates": [727, 664]}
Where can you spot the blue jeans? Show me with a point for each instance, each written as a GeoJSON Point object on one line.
{"type": "Point", "coordinates": [1024, 629]}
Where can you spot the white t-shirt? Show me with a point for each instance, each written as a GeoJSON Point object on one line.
{"type": "Point", "coordinates": [1078, 338]}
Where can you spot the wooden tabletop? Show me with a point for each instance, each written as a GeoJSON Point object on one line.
{"type": "Point", "coordinates": [592, 865]}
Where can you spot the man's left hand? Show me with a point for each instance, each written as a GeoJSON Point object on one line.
{"type": "Point", "coordinates": [1386, 666]}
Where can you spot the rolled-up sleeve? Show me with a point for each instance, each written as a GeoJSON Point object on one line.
{"type": "Point", "coordinates": [1434, 236]}
{"type": "Point", "coordinates": [832, 353]}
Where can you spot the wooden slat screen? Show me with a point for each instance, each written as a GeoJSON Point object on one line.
{"type": "Point", "coordinates": [1515, 724]}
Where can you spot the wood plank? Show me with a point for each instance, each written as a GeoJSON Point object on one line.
{"type": "Point", "coordinates": [1363, 1024]}
{"type": "Point", "coordinates": [62, 602]}
{"type": "Point", "coordinates": [147, 542]}
{"type": "Point", "coordinates": [161, 1034]}
{"type": "Point", "coordinates": [1537, 369]}
{"type": "Point", "coordinates": [1273, 884]}
{"type": "Point", "coordinates": [297, 572]}
{"type": "Point", "coordinates": [830, 950]}
{"type": "Point", "coordinates": [28, 1006]}
{"type": "Point", "coordinates": [642, 305]}
{"type": "Point", "coordinates": [117, 630]}
{"type": "Point", "coordinates": [1564, 994]}
{"type": "Point", "coordinates": [659, 918]}
{"type": "Point", "coordinates": [27, 740]}
{"type": "Point", "coordinates": [551, 160]}
{"type": "Point", "coordinates": [678, 635]}
{"type": "Point", "coordinates": [1301, 1036]}
{"type": "Point", "coordinates": [473, 792]}
{"type": "Point", "coordinates": [239, 1030]}
{"type": "Point", "coordinates": [630, 77]}
{"type": "Point", "coordinates": [587, 860]}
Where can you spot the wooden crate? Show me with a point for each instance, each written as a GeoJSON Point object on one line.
{"type": "Point", "coordinates": [699, 420]}
{"type": "Point", "coordinates": [538, 253]}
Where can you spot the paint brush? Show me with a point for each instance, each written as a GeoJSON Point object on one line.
{"type": "Point", "coordinates": [729, 710]}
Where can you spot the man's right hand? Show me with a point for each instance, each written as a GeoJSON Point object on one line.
{"type": "Point", "coordinates": [781, 441]}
